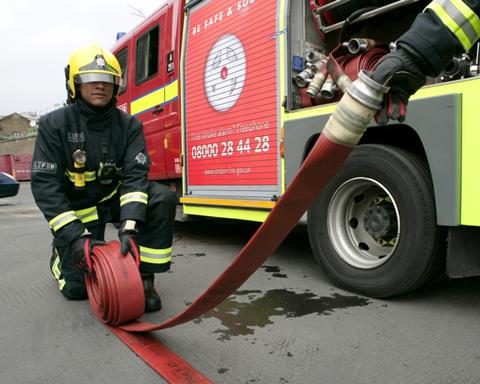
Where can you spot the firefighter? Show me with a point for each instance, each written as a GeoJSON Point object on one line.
{"type": "Point", "coordinates": [444, 29]}
{"type": "Point", "coordinates": [89, 168]}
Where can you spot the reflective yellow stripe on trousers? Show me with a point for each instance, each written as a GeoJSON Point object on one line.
{"type": "Point", "coordinates": [56, 272]}
{"type": "Point", "coordinates": [139, 197]}
{"type": "Point", "coordinates": [155, 256]}
{"type": "Point", "coordinates": [459, 19]}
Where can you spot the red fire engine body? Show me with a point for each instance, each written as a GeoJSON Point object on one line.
{"type": "Point", "coordinates": [224, 91]}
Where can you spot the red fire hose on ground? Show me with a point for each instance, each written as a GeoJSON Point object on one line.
{"type": "Point", "coordinates": [115, 289]}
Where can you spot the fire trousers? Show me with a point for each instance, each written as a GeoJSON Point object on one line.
{"type": "Point", "coordinates": [154, 238]}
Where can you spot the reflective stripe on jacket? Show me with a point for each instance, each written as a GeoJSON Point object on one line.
{"type": "Point", "coordinates": [446, 28]}
{"type": "Point", "coordinates": [459, 19]}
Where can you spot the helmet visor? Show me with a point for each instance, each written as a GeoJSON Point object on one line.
{"type": "Point", "coordinates": [82, 78]}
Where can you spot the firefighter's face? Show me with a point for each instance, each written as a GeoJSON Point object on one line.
{"type": "Point", "coordinates": [97, 94]}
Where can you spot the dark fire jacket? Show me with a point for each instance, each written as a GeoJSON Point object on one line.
{"type": "Point", "coordinates": [446, 28]}
{"type": "Point", "coordinates": [107, 136]}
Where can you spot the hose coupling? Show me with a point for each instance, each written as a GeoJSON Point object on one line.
{"type": "Point", "coordinates": [358, 45]}
{"type": "Point", "coordinates": [319, 79]}
{"type": "Point", "coordinates": [367, 92]}
{"type": "Point", "coordinates": [304, 77]}
{"type": "Point", "coordinates": [314, 56]}
{"type": "Point", "coordinates": [329, 89]}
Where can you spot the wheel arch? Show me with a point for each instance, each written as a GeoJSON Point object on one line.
{"type": "Point", "coordinates": [432, 131]}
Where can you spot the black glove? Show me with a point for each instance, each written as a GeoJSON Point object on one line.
{"type": "Point", "coordinates": [401, 71]}
{"type": "Point", "coordinates": [81, 248]}
{"type": "Point", "coordinates": [127, 235]}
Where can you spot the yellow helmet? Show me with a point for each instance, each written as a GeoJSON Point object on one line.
{"type": "Point", "coordinates": [91, 64]}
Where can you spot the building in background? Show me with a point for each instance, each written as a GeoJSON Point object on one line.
{"type": "Point", "coordinates": [15, 126]}
{"type": "Point", "coordinates": [17, 140]}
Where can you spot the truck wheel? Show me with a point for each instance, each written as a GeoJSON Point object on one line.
{"type": "Point", "coordinates": [373, 228]}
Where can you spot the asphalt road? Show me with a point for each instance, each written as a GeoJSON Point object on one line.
{"type": "Point", "coordinates": [286, 324]}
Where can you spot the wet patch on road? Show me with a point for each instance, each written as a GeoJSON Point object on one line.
{"type": "Point", "coordinates": [240, 317]}
{"type": "Point", "coordinates": [274, 270]}
{"type": "Point", "coordinates": [197, 254]}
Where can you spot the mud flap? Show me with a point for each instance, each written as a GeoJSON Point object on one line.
{"type": "Point", "coordinates": [463, 258]}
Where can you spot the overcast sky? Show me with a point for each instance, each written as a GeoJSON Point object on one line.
{"type": "Point", "coordinates": [38, 37]}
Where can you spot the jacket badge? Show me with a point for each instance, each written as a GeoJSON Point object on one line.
{"type": "Point", "coordinates": [141, 158]}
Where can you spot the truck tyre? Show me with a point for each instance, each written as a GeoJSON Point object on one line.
{"type": "Point", "coordinates": [374, 227]}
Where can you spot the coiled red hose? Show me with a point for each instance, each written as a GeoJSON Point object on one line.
{"type": "Point", "coordinates": [351, 65]}
{"type": "Point", "coordinates": [115, 288]}
{"type": "Point", "coordinates": [365, 61]}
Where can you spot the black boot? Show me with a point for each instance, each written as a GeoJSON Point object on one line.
{"type": "Point", "coordinates": [152, 299]}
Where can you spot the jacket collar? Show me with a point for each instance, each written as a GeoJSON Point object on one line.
{"type": "Point", "coordinates": [94, 113]}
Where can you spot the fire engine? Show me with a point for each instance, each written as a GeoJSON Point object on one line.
{"type": "Point", "coordinates": [233, 94]}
